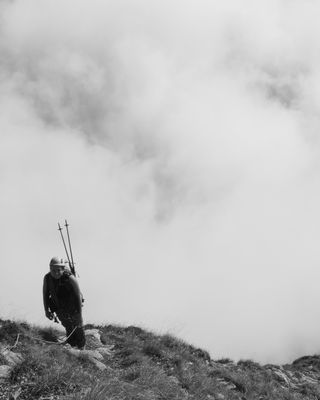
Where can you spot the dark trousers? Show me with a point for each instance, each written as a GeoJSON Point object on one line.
{"type": "Point", "coordinates": [74, 328]}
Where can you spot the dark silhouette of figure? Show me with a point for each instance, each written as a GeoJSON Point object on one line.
{"type": "Point", "coordinates": [62, 298]}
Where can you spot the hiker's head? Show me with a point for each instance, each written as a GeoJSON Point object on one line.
{"type": "Point", "coordinates": [57, 267]}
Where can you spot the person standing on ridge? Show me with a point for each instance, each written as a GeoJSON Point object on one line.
{"type": "Point", "coordinates": [62, 297]}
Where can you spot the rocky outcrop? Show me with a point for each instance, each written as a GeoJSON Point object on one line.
{"type": "Point", "coordinates": [5, 371]}
{"type": "Point", "coordinates": [96, 351]}
{"type": "Point", "coordinates": [10, 357]}
{"type": "Point", "coordinates": [10, 360]}
{"type": "Point", "coordinates": [301, 373]}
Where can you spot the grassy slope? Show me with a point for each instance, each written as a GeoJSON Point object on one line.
{"type": "Point", "coordinates": [145, 366]}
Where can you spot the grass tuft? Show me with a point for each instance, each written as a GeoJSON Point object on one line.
{"type": "Point", "coordinates": [152, 350]}
{"type": "Point", "coordinates": [49, 334]}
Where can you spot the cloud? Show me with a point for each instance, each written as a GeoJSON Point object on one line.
{"type": "Point", "coordinates": [181, 141]}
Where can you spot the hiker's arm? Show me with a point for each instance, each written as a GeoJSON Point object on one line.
{"type": "Point", "coordinates": [45, 293]}
{"type": "Point", "coordinates": [77, 292]}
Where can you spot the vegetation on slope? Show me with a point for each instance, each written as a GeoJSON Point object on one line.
{"type": "Point", "coordinates": [143, 366]}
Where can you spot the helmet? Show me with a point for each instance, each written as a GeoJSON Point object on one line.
{"type": "Point", "coordinates": [57, 261]}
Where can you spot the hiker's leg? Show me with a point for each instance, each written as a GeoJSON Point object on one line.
{"type": "Point", "coordinates": [74, 328]}
{"type": "Point", "coordinates": [67, 322]}
{"type": "Point", "coordinates": [79, 336]}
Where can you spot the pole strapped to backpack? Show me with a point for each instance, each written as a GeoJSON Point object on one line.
{"type": "Point", "coordinates": [70, 261]}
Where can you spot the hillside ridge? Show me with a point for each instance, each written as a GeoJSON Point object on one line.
{"type": "Point", "coordinates": [131, 363]}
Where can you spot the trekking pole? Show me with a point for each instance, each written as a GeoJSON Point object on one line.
{"type": "Point", "coordinates": [64, 243]}
{"type": "Point", "coordinates": [71, 266]}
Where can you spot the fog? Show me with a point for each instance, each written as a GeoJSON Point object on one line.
{"type": "Point", "coordinates": [181, 141]}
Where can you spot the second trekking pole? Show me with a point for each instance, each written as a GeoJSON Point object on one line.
{"type": "Point", "coordinates": [71, 266]}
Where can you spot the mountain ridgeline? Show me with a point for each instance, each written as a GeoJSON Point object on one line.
{"type": "Point", "coordinates": [129, 363]}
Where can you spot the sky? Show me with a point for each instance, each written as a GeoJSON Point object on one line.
{"type": "Point", "coordinates": [181, 141]}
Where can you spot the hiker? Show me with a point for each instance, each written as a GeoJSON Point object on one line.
{"type": "Point", "coordinates": [62, 298]}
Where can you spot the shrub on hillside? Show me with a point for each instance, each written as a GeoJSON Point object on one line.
{"type": "Point", "coordinates": [9, 330]}
{"type": "Point", "coordinates": [49, 334]}
{"type": "Point", "coordinates": [169, 341]}
{"type": "Point", "coordinates": [152, 350]}
{"type": "Point", "coordinates": [249, 364]}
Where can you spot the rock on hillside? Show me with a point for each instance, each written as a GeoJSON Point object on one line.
{"type": "Point", "coordinates": [130, 363]}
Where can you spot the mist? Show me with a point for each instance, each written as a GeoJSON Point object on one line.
{"type": "Point", "coordinates": [181, 142]}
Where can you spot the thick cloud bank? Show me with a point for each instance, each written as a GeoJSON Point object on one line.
{"type": "Point", "coordinates": [181, 140]}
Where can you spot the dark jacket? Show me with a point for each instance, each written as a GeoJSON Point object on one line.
{"type": "Point", "coordinates": [62, 294]}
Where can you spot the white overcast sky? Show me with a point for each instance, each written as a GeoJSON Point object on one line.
{"type": "Point", "coordinates": [181, 139]}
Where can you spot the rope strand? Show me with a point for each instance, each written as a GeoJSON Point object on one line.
{"type": "Point", "coordinates": [48, 341]}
